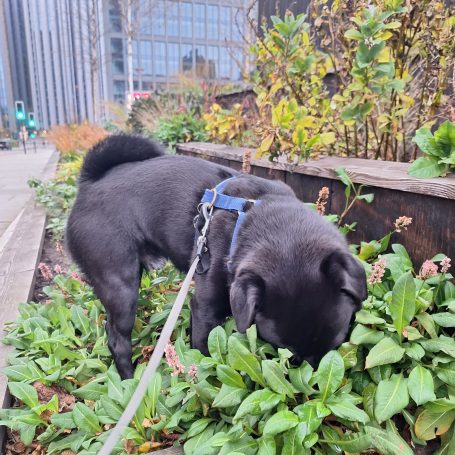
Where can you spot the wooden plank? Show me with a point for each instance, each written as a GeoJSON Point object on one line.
{"type": "Point", "coordinates": [383, 174]}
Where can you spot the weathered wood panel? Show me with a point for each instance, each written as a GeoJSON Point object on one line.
{"type": "Point", "coordinates": [383, 174]}
{"type": "Point", "coordinates": [431, 203]}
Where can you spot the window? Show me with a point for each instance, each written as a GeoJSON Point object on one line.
{"type": "Point", "coordinates": [115, 20]}
{"type": "Point", "coordinates": [147, 58]}
{"type": "Point", "coordinates": [238, 24]}
{"type": "Point", "coordinates": [160, 58]}
{"type": "Point", "coordinates": [119, 91]}
{"type": "Point", "coordinates": [187, 57]}
{"type": "Point", "coordinates": [136, 52]}
{"type": "Point", "coordinates": [213, 61]}
{"type": "Point", "coordinates": [200, 58]}
{"type": "Point", "coordinates": [225, 63]}
{"type": "Point", "coordinates": [186, 20]}
{"type": "Point", "coordinates": [117, 56]}
{"type": "Point", "coordinates": [173, 59]}
{"type": "Point", "coordinates": [172, 19]}
{"type": "Point", "coordinates": [225, 23]}
{"type": "Point", "coordinates": [238, 63]}
{"type": "Point", "coordinates": [158, 17]}
{"type": "Point", "coordinates": [212, 22]}
{"type": "Point", "coordinates": [199, 20]}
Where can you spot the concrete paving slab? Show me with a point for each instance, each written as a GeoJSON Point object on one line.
{"type": "Point", "coordinates": [21, 240]}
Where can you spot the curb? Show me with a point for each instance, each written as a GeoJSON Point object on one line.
{"type": "Point", "coordinates": [21, 246]}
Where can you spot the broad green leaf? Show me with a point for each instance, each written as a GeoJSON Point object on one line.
{"type": "Point", "coordinates": [112, 409]}
{"type": "Point", "coordinates": [402, 307]}
{"type": "Point", "coordinates": [428, 324]}
{"type": "Point", "coordinates": [275, 379]}
{"type": "Point", "coordinates": [365, 335]}
{"type": "Point", "coordinates": [266, 445]}
{"type": "Point", "coordinates": [246, 445]}
{"type": "Point", "coordinates": [85, 418]}
{"type": "Point", "coordinates": [24, 392]}
{"type": "Point", "coordinates": [391, 397]}
{"type": "Point", "coordinates": [347, 410]}
{"type": "Point", "coordinates": [198, 426]}
{"type": "Point", "coordinates": [440, 405]}
{"type": "Point", "coordinates": [366, 317]}
{"type": "Point", "coordinates": [351, 443]}
{"type": "Point", "coordinates": [446, 373]}
{"type": "Point", "coordinates": [243, 360]}
{"type": "Point", "coordinates": [80, 320]}
{"type": "Point", "coordinates": [154, 391]}
{"type": "Point", "coordinates": [387, 442]}
{"type": "Point", "coordinates": [425, 141]}
{"type": "Point", "coordinates": [421, 385]}
{"type": "Point", "coordinates": [229, 396]}
{"type": "Point", "coordinates": [300, 377]}
{"type": "Point", "coordinates": [445, 138]}
{"type": "Point", "coordinates": [385, 352]}
{"type": "Point", "coordinates": [257, 402]}
{"type": "Point", "coordinates": [91, 391]}
{"type": "Point", "coordinates": [63, 420]}
{"type": "Point", "coordinates": [19, 373]}
{"type": "Point", "coordinates": [279, 422]}
{"type": "Point", "coordinates": [427, 167]}
{"type": "Point", "coordinates": [431, 424]}
{"type": "Point", "coordinates": [444, 319]}
{"type": "Point", "coordinates": [198, 441]}
{"type": "Point", "coordinates": [229, 376]}
{"type": "Point", "coordinates": [447, 443]}
{"type": "Point", "coordinates": [217, 343]}
{"type": "Point", "coordinates": [348, 353]}
{"type": "Point", "coordinates": [330, 374]}
{"type": "Point", "coordinates": [443, 343]}
{"type": "Point", "coordinates": [293, 440]}
{"type": "Point", "coordinates": [311, 413]}
{"type": "Point", "coordinates": [114, 386]}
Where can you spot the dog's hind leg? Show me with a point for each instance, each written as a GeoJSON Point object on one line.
{"type": "Point", "coordinates": [119, 295]}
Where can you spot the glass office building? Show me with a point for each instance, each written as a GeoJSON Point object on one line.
{"type": "Point", "coordinates": [200, 40]}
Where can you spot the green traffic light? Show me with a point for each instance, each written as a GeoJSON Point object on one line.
{"type": "Point", "coordinates": [20, 115]}
{"type": "Point", "coordinates": [31, 123]}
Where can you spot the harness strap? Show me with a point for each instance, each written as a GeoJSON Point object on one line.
{"type": "Point", "coordinates": [217, 199]}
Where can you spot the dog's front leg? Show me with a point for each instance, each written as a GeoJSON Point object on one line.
{"type": "Point", "coordinates": [209, 308]}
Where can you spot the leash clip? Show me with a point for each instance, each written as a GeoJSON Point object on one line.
{"type": "Point", "coordinates": [206, 210]}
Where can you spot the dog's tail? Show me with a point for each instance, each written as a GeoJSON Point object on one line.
{"type": "Point", "coordinates": [114, 150]}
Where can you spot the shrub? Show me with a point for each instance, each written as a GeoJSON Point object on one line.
{"type": "Point", "coordinates": [181, 127]}
{"type": "Point", "coordinates": [76, 138]}
{"type": "Point", "coordinates": [439, 151]}
{"type": "Point", "coordinates": [391, 64]}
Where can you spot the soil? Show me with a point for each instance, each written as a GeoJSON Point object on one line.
{"type": "Point", "coordinates": [53, 256]}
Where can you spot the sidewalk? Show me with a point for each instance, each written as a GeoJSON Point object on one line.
{"type": "Point", "coordinates": [22, 224]}
{"type": "Point", "coordinates": [15, 169]}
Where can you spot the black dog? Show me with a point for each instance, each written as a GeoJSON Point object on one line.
{"type": "Point", "coordinates": [290, 273]}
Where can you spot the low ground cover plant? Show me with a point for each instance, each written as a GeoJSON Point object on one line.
{"type": "Point", "coordinates": [388, 389]}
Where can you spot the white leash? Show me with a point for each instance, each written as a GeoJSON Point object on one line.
{"type": "Point", "coordinates": [130, 410]}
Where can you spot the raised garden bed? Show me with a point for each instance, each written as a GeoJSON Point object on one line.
{"type": "Point", "coordinates": [429, 202]}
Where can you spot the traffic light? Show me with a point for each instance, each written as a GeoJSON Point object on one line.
{"type": "Point", "coordinates": [31, 120]}
{"type": "Point", "coordinates": [20, 110]}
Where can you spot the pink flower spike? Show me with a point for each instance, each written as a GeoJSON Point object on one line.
{"type": "Point", "coordinates": [428, 269]}
{"type": "Point", "coordinates": [192, 371]}
{"type": "Point", "coordinates": [173, 360]}
{"type": "Point", "coordinates": [377, 272]}
{"type": "Point", "coordinates": [58, 269]}
{"type": "Point", "coordinates": [445, 264]}
{"type": "Point", "coordinates": [45, 271]}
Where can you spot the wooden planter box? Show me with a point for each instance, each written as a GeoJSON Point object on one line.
{"type": "Point", "coordinates": [430, 202]}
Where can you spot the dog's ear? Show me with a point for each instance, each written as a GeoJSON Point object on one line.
{"type": "Point", "coordinates": [246, 294]}
{"type": "Point", "coordinates": [346, 272]}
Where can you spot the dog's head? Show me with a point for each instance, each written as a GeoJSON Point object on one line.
{"type": "Point", "coordinates": [297, 281]}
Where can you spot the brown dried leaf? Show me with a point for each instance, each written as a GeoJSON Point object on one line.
{"type": "Point", "coordinates": [45, 393]}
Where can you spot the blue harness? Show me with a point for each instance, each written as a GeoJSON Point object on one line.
{"type": "Point", "coordinates": [216, 198]}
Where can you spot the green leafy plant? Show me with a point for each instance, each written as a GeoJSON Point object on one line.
{"type": "Point", "coordinates": [181, 127]}
{"type": "Point", "coordinates": [394, 374]}
{"type": "Point", "coordinates": [439, 150]}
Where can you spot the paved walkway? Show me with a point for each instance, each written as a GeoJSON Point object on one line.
{"type": "Point", "coordinates": [15, 170]}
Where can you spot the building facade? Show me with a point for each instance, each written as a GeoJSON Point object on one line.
{"type": "Point", "coordinates": [67, 59]}
{"type": "Point", "coordinates": [196, 40]}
